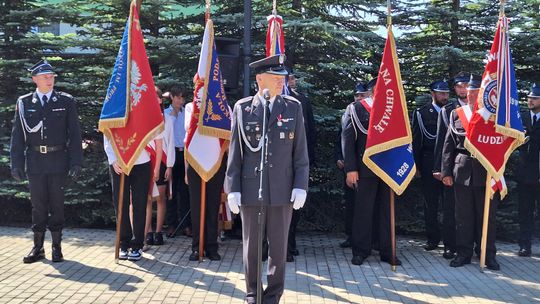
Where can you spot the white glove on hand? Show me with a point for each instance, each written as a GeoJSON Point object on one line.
{"type": "Point", "coordinates": [234, 200]}
{"type": "Point", "coordinates": [298, 197]}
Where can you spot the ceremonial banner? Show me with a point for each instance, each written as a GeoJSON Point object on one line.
{"type": "Point", "coordinates": [131, 115]}
{"type": "Point", "coordinates": [209, 124]}
{"type": "Point", "coordinates": [275, 43]}
{"type": "Point", "coordinates": [389, 142]}
{"type": "Point", "coordinates": [275, 39]}
{"type": "Point", "coordinates": [495, 128]}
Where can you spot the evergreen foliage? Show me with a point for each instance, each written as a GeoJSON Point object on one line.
{"type": "Point", "coordinates": [333, 44]}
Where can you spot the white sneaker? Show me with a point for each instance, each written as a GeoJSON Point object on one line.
{"type": "Point", "coordinates": [135, 255]}
{"type": "Point", "coordinates": [123, 254]}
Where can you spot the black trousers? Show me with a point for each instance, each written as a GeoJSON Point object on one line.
{"type": "Point", "coordinates": [47, 198]}
{"type": "Point", "coordinates": [432, 190]}
{"type": "Point", "coordinates": [179, 205]}
{"type": "Point", "coordinates": [291, 239]}
{"type": "Point", "coordinates": [371, 191]}
{"type": "Point", "coordinates": [137, 183]}
{"type": "Point", "coordinates": [529, 200]}
{"type": "Point", "coordinates": [449, 218]}
{"type": "Point", "coordinates": [213, 199]}
{"type": "Point", "coordinates": [348, 196]}
{"type": "Point", "coordinates": [469, 219]}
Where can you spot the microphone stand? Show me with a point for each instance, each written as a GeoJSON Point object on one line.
{"type": "Point", "coordinates": [261, 220]}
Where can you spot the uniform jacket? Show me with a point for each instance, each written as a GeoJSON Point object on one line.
{"type": "Point", "coordinates": [309, 124]}
{"type": "Point", "coordinates": [424, 129]}
{"type": "Point", "coordinates": [528, 168]}
{"type": "Point", "coordinates": [60, 128]}
{"type": "Point", "coordinates": [353, 139]}
{"type": "Point", "coordinates": [442, 126]}
{"type": "Point", "coordinates": [287, 165]}
{"type": "Point", "coordinates": [456, 160]}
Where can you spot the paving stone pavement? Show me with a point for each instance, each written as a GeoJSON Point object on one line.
{"type": "Point", "coordinates": [321, 274]}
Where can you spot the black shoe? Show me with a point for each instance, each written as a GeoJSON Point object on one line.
{"type": "Point", "coordinates": [57, 255]}
{"type": "Point", "coordinates": [294, 252]}
{"type": "Point", "coordinates": [170, 232]}
{"type": "Point", "coordinates": [449, 253]}
{"type": "Point", "coordinates": [388, 260]}
{"type": "Point", "coordinates": [357, 260]}
{"type": "Point", "coordinates": [194, 256]}
{"type": "Point", "coordinates": [524, 252]}
{"type": "Point", "coordinates": [431, 246]}
{"type": "Point", "coordinates": [459, 261]}
{"type": "Point", "coordinates": [345, 244]}
{"type": "Point", "coordinates": [35, 255]}
{"type": "Point", "coordinates": [491, 263]}
{"type": "Point", "coordinates": [477, 251]}
{"type": "Point", "coordinates": [56, 246]}
{"type": "Point", "coordinates": [158, 238]}
{"type": "Point", "coordinates": [213, 256]}
{"type": "Point", "coordinates": [290, 258]}
{"type": "Point", "coordinates": [150, 238]}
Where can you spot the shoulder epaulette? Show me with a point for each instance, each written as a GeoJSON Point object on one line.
{"type": "Point", "coordinates": [245, 99]}
{"type": "Point", "coordinates": [64, 94]}
{"type": "Point", "coordinates": [291, 98]}
{"type": "Point", "coordinates": [25, 95]}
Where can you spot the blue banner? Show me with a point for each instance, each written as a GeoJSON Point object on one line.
{"type": "Point", "coordinates": [114, 113]}
{"type": "Point", "coordinates": [215, 116]}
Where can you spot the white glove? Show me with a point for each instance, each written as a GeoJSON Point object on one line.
{"type": "Point", "coordinates": [234, 200]}
{"type": "Point", "coordinates": [298, 197]}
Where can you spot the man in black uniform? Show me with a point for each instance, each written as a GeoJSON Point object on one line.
{"type": "Point", "coordinates": [424, 136]}
{"type": "Point", "coordinates": [528, 171]}
{"type": "Point", "coordinates": [468, 177]}
{"type": "Point", "coordinates": [369, 188]}
{"type": "Point", "coordinates": [448, 200]}
{"type": "Point", "coordinates": [360, 92]}
{"type": "Point", "coordinates": [46, 141]}
{"type": "Point", "coordinates": [311, 137]}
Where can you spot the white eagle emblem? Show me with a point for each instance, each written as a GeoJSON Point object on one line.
{"type": "Point", "coordinates": [135, 88]}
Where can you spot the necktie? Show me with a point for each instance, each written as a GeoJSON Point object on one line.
{"type": "Point", "coordinates": [267, 105]}
{"type": "Point", "coordinates": [535, 118]}
{"type": "Point", "coordinates": [44, 98]}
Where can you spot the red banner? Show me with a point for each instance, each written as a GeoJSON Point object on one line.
{"type": "Point", "coordinates": [145, 118]}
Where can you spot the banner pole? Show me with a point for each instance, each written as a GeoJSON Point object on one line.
{"type": "Point", "coordinates": [207, 11]}
{"type": "Point", "coordinates": [119, 214]}
{"type": "Point", "coordinates": [393, 228]}
{"type": "Point", "coordinates": [202, 220]}
{"type": "Point", "coordinates": [483, 243]}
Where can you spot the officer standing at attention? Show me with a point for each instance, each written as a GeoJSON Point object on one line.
{"type": "Point", "coordinates": [285, 172]}
{"type": "Point", "coordinates": [46, 142]}
{"type": "Point", "coordinates": [448, 202]}
{"type": "Point", "coordinates": [370, 190]}
{"type": "Point", "coordinates": [424, 136]}
{"type": "Point", "coordinates": [311, 137]}
{"type": "Point", "coordinates": [468, 176]}
{"type": "Point", "coordinates": [528, 174]}
{"type": "Point", "coordinates": [360, 92]}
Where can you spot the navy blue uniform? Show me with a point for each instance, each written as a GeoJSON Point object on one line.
{"type": "Point", "coordinates": [46, 143]}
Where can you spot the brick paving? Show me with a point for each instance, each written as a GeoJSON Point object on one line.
{"type": "Point", "coordinates": [321, 274]}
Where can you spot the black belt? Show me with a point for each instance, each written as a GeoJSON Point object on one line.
{"type": "Point", "coordinates": [47, 149]}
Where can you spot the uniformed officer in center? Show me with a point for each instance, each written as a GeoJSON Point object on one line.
{"type": "Point", "coordinates": [285, 175]}
{"type": "Point", "coordinates": [46, 145]}
{"type": "Point", "coordinates": [424, 132]}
